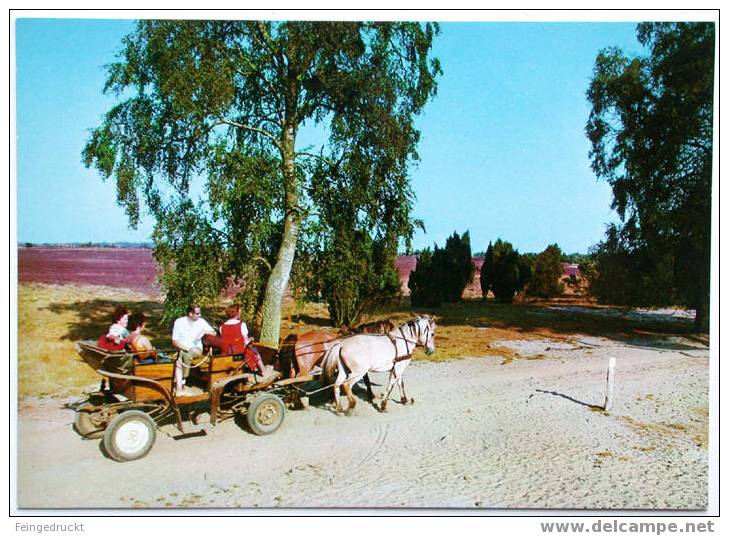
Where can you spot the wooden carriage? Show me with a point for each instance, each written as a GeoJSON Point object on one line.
{"type": "Point", "coordinates": [137, 395]}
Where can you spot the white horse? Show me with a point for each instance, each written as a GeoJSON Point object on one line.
{"type": "Point", "coordinates": [350, 359]}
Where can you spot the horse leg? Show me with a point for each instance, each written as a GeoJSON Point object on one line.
{"type": "Point", "coordinates": [348, 384]}
{"type": "Point", "coordinates": [399, 369]}
{"type": "Point", "coordinates": [350, 399]}
{"type": "Point", "coordinates": [370, 394]}
{"type": "Point", "coordinates": [337, 404]}
{"type": "Point", "coordinates": [403, 397]}
{"type": "Point", "coordinates": [390, 386]}
{"type": "Point", "coordinates": [401, 385]}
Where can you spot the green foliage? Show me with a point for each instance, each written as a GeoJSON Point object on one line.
{"type": "Point", "coordinates": [458, 269]}
{"type": "Point", "coordinates": [442, 276]}
{"type": "Point", "coordinates": [357, 275]}
{"type": "Point", "coordinates": [627, 276]}
{"type": "Point", "coordinates": [425, 282]}
{"type": "Point", "coordinates": [651, 129]}
{"type": "Point", "coordinates": [504, 271]}
{"type": "Point", "coordinates": [204, 139]}
{"type": "Point", "coordinates": [588, 269]}
{"type": "Point", "coordinates": [546, 274]}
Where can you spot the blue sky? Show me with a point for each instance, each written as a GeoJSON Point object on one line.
{"type": "Point", "coordinates": [503, 149]}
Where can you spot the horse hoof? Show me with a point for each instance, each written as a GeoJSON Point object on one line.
{"type": "Point", "coordinates": [382, 408]}
{"type": "Point", "coordinates": [412, 401]}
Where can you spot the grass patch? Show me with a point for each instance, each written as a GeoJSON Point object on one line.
{"type": "Point", "coordinates": [600, 457]}
{"type": "Point", "coordinates": [50, 319]}
{"type": "Point", "coordinates": [697, 432]}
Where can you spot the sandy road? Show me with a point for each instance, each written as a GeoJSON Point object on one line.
{"type": "Point", "coordinates": [481, 434]}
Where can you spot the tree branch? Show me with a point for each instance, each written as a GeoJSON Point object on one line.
{"type": "Point", "coordinates": [264, 262]}
{"type": "Point", "coordinates": [320, 157]}
{"type": "Point", "coordinates": [260, 74]}
{"type": "Point", "coordinates": [261, 131]}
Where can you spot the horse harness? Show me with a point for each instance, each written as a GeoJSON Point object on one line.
{"type": "Point", "coordinates": [408, 351]}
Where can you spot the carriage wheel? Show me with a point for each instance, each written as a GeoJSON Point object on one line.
{"type": "Point", "coordinates": [130, 436]}
{"type": "Point", "coordinates": [265, 414]}
{"type": "Point", "coordinates": [87, 425]}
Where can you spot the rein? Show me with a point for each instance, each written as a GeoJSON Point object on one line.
{"type": "Point", "coordinates": [408, 352]}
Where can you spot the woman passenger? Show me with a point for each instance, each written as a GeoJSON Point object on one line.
{"type": "Point", "coordinates": [138, 343]}
{"type": "Point", "coordinates": [115, 338]}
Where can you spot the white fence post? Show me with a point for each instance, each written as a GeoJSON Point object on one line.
{"type": "Point", "coordinates": [610, 385]}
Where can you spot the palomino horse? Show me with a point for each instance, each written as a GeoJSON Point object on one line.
{"type": "Point", "coordinates": [301, 353]}
{"type": "Point", "coordinates": [348, 360]}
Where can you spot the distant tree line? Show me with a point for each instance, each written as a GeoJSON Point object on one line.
{"type": "Point", "coordinates": [442, 274]}
{"type": "Point", "coordinates": [120, 245]}
{"type": "Point", "coordinates": [506, 272]}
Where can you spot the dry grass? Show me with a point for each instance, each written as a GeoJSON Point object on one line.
{"type": "Point", "coordinates": [698, 432]}
{"type": "Point", "coordinates": [52, 317]}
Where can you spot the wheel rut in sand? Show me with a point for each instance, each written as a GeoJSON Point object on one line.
{"type": "Point", "coordinates": [382, 432]}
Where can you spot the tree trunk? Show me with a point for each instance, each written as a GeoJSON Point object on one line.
{"type": "Point", "coordinates": [277, 283]}
{"type": "Point", "coordinates": [701, 322]}
{"type": "Point", "coordinates": [278, 280]}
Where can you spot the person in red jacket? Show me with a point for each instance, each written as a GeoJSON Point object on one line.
{"type": "Point", "coordinates": [235, 340]}
{"type": "Point", "coordinates": [115, 339]}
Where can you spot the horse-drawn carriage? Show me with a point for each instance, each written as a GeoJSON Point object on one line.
{"type": "Point", "coordinates": [136, 396]}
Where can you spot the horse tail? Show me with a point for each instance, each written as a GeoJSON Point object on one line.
{"type": "Point", "coordinates": [330, 364]}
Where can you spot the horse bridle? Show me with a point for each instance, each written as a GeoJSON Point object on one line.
{"type": "Point", "coordinates": [412, 324]}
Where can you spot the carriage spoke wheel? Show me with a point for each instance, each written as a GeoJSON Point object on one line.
{"type": "Point", "coordinates": [265, 414]}
{"type": "Point", "coordinates": [130, 436]}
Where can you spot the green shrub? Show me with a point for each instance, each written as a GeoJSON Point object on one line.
{"type": "Point", "coordinates": [356, 275]}
{"type": "Point", "coordinates": [425, 283]}
{"type": "Point", "coordinates": [545, 281]}
{"type": "Point", "coordinates": [504, 271]}
{"type": "Point", "coordinates": [443, 274]}
{"type": "Point", "coordinates": [458, 269]}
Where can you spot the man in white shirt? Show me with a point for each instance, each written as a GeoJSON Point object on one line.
{"type": "Point", "coordinates": [187, 334]}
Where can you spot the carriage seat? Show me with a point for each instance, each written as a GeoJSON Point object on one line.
{"type": "Point", "coordinates": [101, 359]}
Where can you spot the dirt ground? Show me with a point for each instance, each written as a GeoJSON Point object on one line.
{"type": "Point", "coordinates": [483, 433]}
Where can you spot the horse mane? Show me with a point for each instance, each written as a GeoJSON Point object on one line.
{"type": "Point", "coordinates": [379, 327]}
